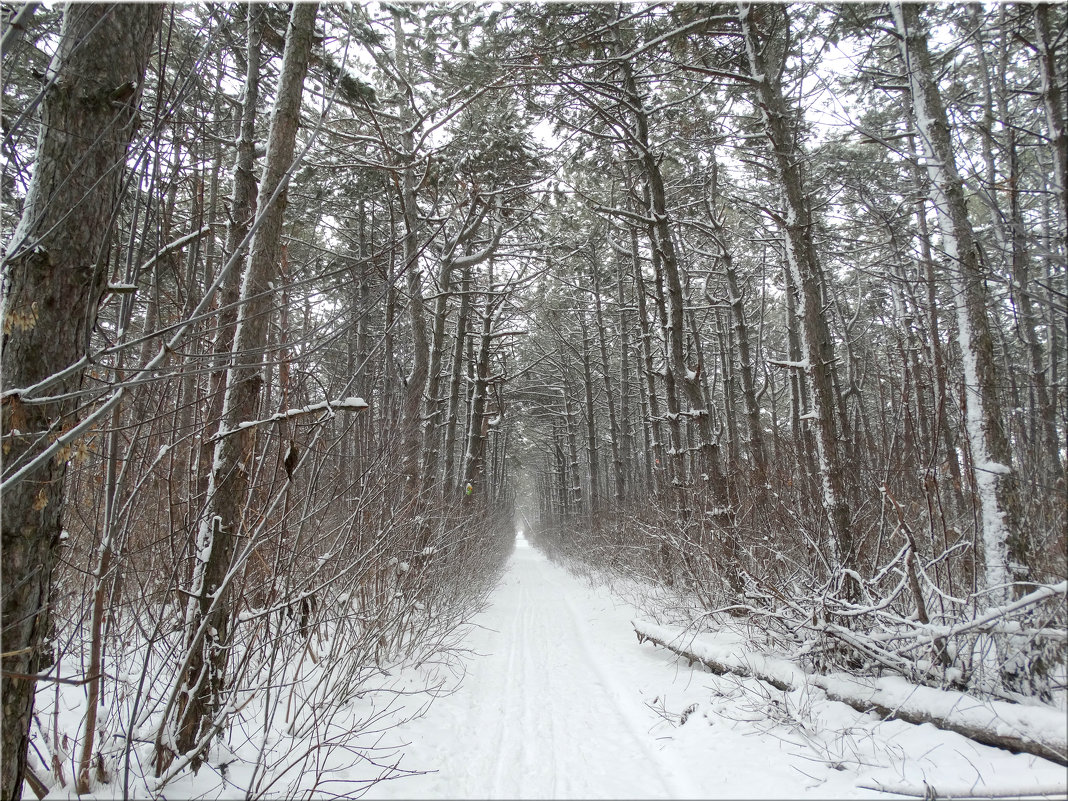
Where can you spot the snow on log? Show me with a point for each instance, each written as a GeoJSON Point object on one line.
{"type": "Point", "coordinates": [725, 656]}
{"type": "Point", "coordinates": [1040, 731]}
{"type": "Point", "coordinates": [970, 794]}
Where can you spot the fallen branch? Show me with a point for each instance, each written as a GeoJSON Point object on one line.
{"type": "Point", "coordinates": [40, 789]}
{"type": "Point", "coordinates": [971, 794]}
{"type": "Point", "coordinates": [1020, 729]}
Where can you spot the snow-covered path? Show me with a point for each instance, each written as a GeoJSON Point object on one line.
{"type": "Point", "coordinates": [544, 713]}
{"type": "Point", "coordinates": [559, 701]}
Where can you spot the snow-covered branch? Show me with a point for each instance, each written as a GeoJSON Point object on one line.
{"type": "Point", "coordinates": [804, 364]}
{"type": "Point", "coordinates": [341, 405]}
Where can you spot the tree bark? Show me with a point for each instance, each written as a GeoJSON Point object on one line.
{"type": "Point", "coordinates": [766, 51]}
{"type": "Point", "coordinates": [55, 274]}
{"type": "Point", "coordinates": [991, 463]}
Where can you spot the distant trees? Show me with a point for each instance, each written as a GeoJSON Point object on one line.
{"type": "Point", "coordinates": [783, 290]}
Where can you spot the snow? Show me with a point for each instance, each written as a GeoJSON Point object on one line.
{"type": "Point", "coordinates": [894, 692]}
{"type": "Point", "coordinates": [559, 701]}
{"type": "Point", "coordinates": [350, 403]}
{"type": "Point", "coordinates": [556, 699]}
{"type": "Point", "coordinates": [803, 364]}
{"type": "Point", "coordinates": [728, 649]}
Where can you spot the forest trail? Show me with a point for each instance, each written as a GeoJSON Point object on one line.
{"type": "Point", "coordinates": [543, 711]}
{"type": "Point", "coordinates": [559, 701]}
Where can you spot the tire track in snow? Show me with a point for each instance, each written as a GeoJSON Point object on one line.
{"type": "Point", "coordinates": [502, 712]}
{"type": "Point", "coordinates": [556, 772]}
{"type": "Point", "coordinates": [670, 775]}
{"type": "Point", "coordinates": [521, 697]}
{"type": "Point", "coordinates": [538, 715]}
{"type": "Point", "coordinates": [543, 741]}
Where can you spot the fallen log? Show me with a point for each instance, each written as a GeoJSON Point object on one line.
{"type": "Point", "coordinates": [928, 791]}
{"type": "Point", "coordinates": [1039, 731]}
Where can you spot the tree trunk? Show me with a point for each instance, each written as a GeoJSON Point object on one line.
{"type": "Point", "coordinates": [940, 391]}
{"type": "Point", "coordinates": [455, 382]}
{"type": "Point", "coordinates": [592, 449]}
{"type": "Point", "coordinates": [665, 265]}
{"type": "Point", "coordinates": [613, 421]}
{"type": "Point", "coordinates": [451, 261]}
{"type": "Point", "coordinates": [991, 461]}
{"type": "Point", "coordinates": [1055, 121]}
{"type": "Point", "coordinates": [55, 275]}
{"type": "Point", "coordinates": [625, 418]}
{"type": "Point", "coordinates": [415, 386]}
{"type": "Point", "coordinates": [655, 447]}
{"type": "Point", "coordinates": [477, 419]}
{"type": "Point", "coordinates": [1053, 105]}
{"type": "Point", "coordinates": [209, 610]}
{"type": "Point", "coordinates": [766, 51]}
{"type": "Point", "coordinates": [432, 435]}
{"type": "Point", "coordinates": [675, 463]}
{"type": "Point", "coordinates": [242, 212]}
{"type": "Point", "coordinates": [742, 342]}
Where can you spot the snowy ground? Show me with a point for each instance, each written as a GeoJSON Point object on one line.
{"type": "Point", "coordinates": [559, 701]}
{"type": "Point", "coordinates": [555, 698]}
